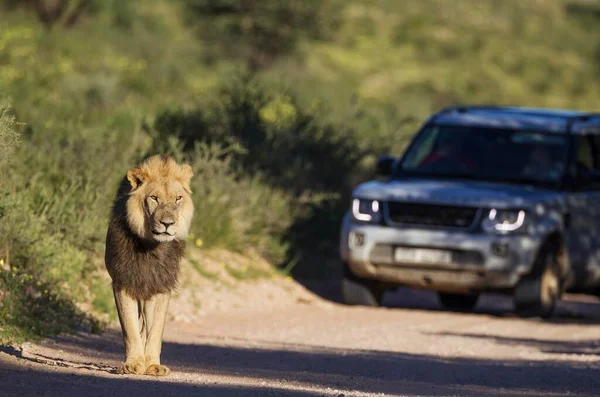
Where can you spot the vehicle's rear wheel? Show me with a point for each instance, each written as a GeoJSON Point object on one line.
{"type": "Point", "coordinates": [361, 292]}
{"type": "Point", "coordinates": [458, 302]}
{"type": "Point", "coordinates": [537, 293]}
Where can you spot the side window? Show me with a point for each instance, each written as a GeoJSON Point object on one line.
{"type": "Point", "coordinates": [422, 148]}
{"type": "Point", "coordinates": [595, 138]}
{"type": "Point", "coordinates": [584, 154]}
{"type": "Point", "coordinates": [588, 162]}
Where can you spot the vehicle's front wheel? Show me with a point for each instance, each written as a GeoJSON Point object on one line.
{"type": "Point", "coordinates": [361, 292]}
{"type": "Point", "coordinates": [538, 293]}
{"type": "Point", "coordinates": [458, 302]}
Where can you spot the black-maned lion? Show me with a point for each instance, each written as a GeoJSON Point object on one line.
{"type": "Point", "coordinates": [150, 219]}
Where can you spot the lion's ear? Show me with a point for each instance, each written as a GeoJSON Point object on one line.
{"type": "Point", "coordinates": [136, 177]}
{"type": "Point", "coordinates": [186, 172]}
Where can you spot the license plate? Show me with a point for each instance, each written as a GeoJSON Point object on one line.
{"type": "Point", "coordinates": [422, 255]}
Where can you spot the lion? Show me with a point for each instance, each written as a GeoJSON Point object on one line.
{"type": "Point", "coordinates": [145, 242]}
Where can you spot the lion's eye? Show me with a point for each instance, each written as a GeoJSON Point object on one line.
{"type": "Point", "coordinates": [154, 198]}
{"type": "Point", "coordinates": [178, 198]}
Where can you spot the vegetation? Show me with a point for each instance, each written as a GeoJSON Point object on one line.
{"type": "Point", "coordinates": [280, 107]}
{"type": "Point", "coordinates": [260, 31]}
{"type": "Point", "coordinates": [8, 136]}
{"type": "Point", "coordinates": [51, 13]}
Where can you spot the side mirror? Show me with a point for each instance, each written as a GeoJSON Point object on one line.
{"type": "Point", "coordinates": [385, 165]}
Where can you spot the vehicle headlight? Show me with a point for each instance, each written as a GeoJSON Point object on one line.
{"type": "Point", "coordinates": [366, 210]}
{"type": "Point", "coordinates": [504, 221]}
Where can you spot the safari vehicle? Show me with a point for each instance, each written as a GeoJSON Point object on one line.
{"type": "Point", "coordinates": [484, 199]}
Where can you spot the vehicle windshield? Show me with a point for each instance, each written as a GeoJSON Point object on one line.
{"type": "Point", "coordinates": [515, 156]}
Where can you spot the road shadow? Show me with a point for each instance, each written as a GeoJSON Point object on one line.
{"type": "Point", "coordinates": [589, 347]}
{"type": "Point", "coordinates": [38, 382]}
{"type": "Point", "coordinates": [575, 309]}
{"type": "Point", "coordinates": [294, 370]}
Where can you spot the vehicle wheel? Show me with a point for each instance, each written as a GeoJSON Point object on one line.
{"type": "Point", "coordinates": [360, 292]}
{"type": "Point", "coordinates": [537, 293]}
{"type": "Point", "coordinates": [459, 302]}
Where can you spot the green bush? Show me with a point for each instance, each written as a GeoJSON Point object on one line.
{"type": "Point", "coordinates": [56, 204]}
{"type": "Point", "coordinates": [232, 210]}
{"type": "Point", "coordinates": [31, 301]}
{"type": "Point", "coordinates": [291, 147]}
{"type": "Point", "coordinates": [8, 136]}
{"type": "Point", "coordinates": [237, 212]}
{"type": "Point", "coordinates": [261, 31]}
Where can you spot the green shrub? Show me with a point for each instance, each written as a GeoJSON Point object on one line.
{"type": "Point", "coordinates": [56, 203]}
{"type": "Point", "coordinates": [232, 210]}
{"type": "Point", "coordinates": [31, 301]}
{"type": "Point", "coordinates": [261, 31]}
{"type": "Point", "coordinates": [8, 136]}
{"type": "Point", "coordinates": [291, 147]}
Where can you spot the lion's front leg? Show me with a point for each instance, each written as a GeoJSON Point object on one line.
{"type": "Point", "coordinates": [128, 311]}
{"type": "Point", "coordinates": [155, 314]}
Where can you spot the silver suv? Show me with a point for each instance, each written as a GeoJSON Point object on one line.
{"type": "Point", "coordinates": [483, 199]}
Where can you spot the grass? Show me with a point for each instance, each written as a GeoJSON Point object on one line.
{"type": "Point", "coordinates": [212, 276]}
{"type": "Point", "coordinates": [275, 153]}
{"type": "Point", "coordinates": [247, 273]}
{"type": "Point", "coordinates": [9, 138]}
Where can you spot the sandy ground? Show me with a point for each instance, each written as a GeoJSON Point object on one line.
{"type": "Point", "coordinates": [305, 346]}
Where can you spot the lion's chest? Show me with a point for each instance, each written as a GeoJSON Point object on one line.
{"type": "Point", "coordinates": [146, 271]}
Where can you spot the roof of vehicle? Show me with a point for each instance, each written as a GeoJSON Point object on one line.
{"type": "Point", "coordinates": [551, 120]}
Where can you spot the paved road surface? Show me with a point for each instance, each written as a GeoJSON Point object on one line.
{"type": "Point", "coordinates": [410, 348]}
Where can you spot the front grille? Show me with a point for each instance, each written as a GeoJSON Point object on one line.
{"type": "Point", "coordinates": [431, 215]}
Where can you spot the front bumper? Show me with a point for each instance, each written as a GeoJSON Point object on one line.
{"type": "Point", "coordinates": [479, 261]}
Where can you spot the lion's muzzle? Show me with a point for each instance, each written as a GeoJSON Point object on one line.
{"type": "Point", "coordinates": [164, 225]}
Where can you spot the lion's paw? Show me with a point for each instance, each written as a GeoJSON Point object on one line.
{"type": "Point", "coordinates": [134, 366]}
{"type": "Point", "coordinates": [157, 370]}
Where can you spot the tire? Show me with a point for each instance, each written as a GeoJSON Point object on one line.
{"type": "Point", "coordinates": [537, 293]}
{"type": "Point", "coordinates": [458, 302]}
{"type": "Point", "coordinates": [360, 292]}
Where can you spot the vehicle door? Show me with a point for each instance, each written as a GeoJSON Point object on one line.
{"type": "Point", "coordinates": [583, 202]}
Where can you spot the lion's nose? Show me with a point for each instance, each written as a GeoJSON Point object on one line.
{"type": "Point", "coordinates": [167, 223]}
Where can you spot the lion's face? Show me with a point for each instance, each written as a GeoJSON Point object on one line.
{"type": "Point", "coordinates": [163, 203]}
{"type": "Point", "coordinates": [160, 205]}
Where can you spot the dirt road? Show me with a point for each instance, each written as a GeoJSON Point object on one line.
{"type": "Point", "coordinates": [318, 348]}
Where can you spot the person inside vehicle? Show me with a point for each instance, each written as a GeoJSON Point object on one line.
{"type": "Point", "coordinates": [450, 154]}
{"type": "Point", "coordinates": [541, 166]}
